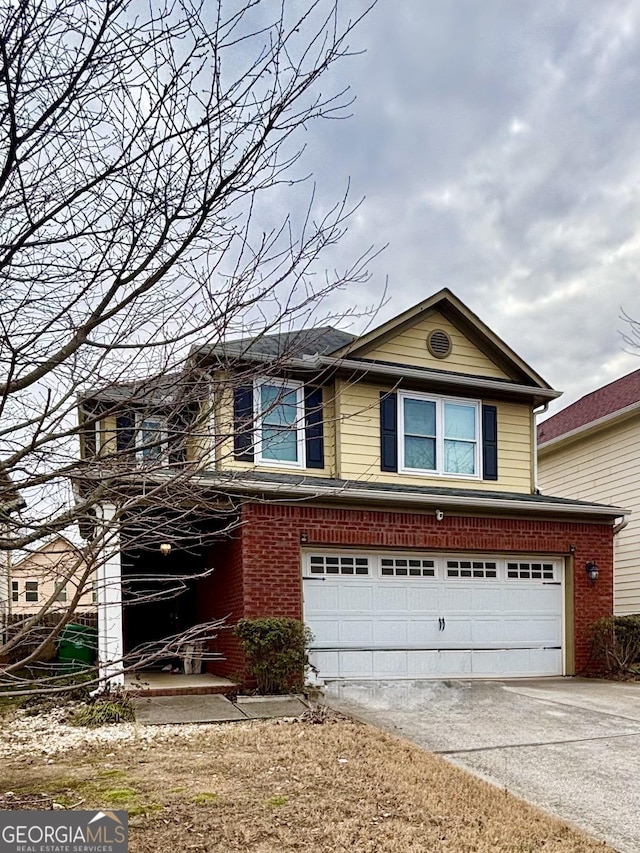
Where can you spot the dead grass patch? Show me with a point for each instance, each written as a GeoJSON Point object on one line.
{"type": "Point", "coordinates": [294, 787]}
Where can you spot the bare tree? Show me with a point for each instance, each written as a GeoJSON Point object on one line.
{"type": "Point", "coordinates": [140, 149]}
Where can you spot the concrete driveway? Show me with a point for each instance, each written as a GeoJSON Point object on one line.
{"type": "Point", "coordinates": [570, 746]}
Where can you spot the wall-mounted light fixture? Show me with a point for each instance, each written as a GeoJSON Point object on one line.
{"type": "Point", "coordinates": [439, 515]}
{"type": "Point", "coordinates": [592, 571]}
{"type": "Point", "coordinates": [165, 548]}
{"type": "Point", "coordinates": [304, 538]}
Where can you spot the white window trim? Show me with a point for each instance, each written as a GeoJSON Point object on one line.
{"type": "Point", "coordinates": [163, 446]}
{"type": "Point", "coordinates": [440, 403]}
{"type": "Point", "coordinates": [288, 385]}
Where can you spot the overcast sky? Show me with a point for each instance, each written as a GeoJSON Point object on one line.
{"type": "Point", "coordinates": [497, 145]}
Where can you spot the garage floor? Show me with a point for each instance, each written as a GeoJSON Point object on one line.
{"type": "Point", "coordinates": [570, 746]}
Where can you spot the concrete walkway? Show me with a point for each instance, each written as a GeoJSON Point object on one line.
{"type": "Point", "coordinates": [569, 746]}
{"type": "Point", "coordinates": [161, 710]}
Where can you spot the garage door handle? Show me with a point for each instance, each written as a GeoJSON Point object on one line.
{"type": "Point", "coordinates": [441, 624]}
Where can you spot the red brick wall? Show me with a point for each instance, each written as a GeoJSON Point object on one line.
{"type": "Point", "coordinates": [270, 552]}
{"type": "Point", "coordinates": [221, 595]}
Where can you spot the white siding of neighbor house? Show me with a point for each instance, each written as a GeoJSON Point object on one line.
{"type": "Point", "coordinates": [604, 466]}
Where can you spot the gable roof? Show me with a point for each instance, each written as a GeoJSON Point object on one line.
{"type": "Point", "coordinates": [447, 303]}
{"type": "Point", "coordinates": [601, 403]}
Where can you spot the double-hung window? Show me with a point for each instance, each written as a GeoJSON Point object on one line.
{"type": "Point", "coordinates": [280, 422]}
{"type": "Point", "coordinates": [439, 435]}
{"type": "Point", "coordinates": [151, 438]}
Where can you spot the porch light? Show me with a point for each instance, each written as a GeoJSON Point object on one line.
{"type": "Point", "coordinates": [592, 570]}
{"type": "Point", "coordinates": [165, 548]}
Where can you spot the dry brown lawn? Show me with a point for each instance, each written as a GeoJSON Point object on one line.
{"type": "Point", "coordinates": [274, 787]}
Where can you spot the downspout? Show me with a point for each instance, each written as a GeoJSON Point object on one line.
{"type": "Point", "coordinates": [541, 411]}
{"type": "Point", "coordinates": [620, 525]}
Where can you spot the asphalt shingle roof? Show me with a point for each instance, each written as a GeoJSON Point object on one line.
{"type": "Point", "coordinates": [598, 404]}
{"type": "Point", "coordinates": [318, 341]}
{"type": "Point", "coordinates": [254, 478]}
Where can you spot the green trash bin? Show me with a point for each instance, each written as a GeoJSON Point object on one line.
{"type": "Point", "coordinates": [78, 646]}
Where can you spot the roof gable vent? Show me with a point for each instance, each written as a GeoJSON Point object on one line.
{"type": "Point", "coordinates": [439, 343]}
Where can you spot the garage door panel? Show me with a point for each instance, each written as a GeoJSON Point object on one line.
{"type": "Point", "coordinates": [425, 598]}
{"type": "Point", "coordinates": [423, 631]}
{"type": "Point", "coordinates": [320, 595]}
{"type": "Point", "coordinates": [354, 631]}
{"type": "Point", "coordinates": [537, 599]}
{"type": "Point", "coordinates": [389, 597]}
{"type": "Point", "coordinates": [391, 631]}
{"type": "Point", "coordinates": [536, 630]}
{"type": "Point", "coordinates": [356, 597]}
{"type": "Point", "coordinates": [390, 664]}
{"type": "Point", "coordinates": [356, 664]}
{"type": "Point", "coordinates": [456, 599]}
{"type": "Point", "coordinates": [324, 629]}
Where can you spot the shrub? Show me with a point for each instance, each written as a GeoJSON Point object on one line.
{"type": "Point", "coordinates": [615, 643]}
{"type": "Point", "coordinates": [276, 650]}
{"type": "Point", "coordinates": [102, 710]}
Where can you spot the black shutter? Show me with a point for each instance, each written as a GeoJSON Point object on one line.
{"type": "Point", "coordinates": [388, 432]}
{"type": "Point", "coordinates": [125, 431]}
{"type": "Point", "coordinates": [243, 423]}
{"type": "Point", "coordinates": [314, 428]}
{"type": "Point", "coordinates": [489, 442]}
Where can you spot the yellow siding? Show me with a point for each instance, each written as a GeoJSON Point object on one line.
{"type": "Point", "coordinates": [359, 442]}
{"type": "Point", "coordinates": [410, 347]}
{"type": "Point", "coordinates": [106, 435]}
{"type": "Point", "coordinates": [604, 467]}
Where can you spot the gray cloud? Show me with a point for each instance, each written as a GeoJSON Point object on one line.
{"type": "Point", "coordinates": [497, 146]}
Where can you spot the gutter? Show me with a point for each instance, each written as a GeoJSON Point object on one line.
{"type": "Point", "coordinates": [451, 501]}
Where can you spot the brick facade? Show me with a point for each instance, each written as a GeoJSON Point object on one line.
{"type": "Point", "coordinates": [260, 571]}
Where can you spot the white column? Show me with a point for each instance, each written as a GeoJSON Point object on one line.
{"type": "Point", "coordinates": [110, 639]}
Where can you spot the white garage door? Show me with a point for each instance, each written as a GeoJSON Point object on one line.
{"type": "Point", "coordinates": [422, 615]}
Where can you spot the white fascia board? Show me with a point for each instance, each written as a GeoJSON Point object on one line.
{"type": "Point", "coordinates": [599, 423]}
{"type": "Point", "coordinates": [460, 380]}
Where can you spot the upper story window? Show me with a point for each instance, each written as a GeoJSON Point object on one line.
{"type": "Point", "coordinates": [280, 422]}
{"type": "Point", "coordinates": [438, 435]}
{"type": "Point", "coordinates": [151, 438]}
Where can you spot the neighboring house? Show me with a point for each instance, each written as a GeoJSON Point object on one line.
{"type": "Point", "coordinates": [382, 489]}
{"type": "Point", "coordinates": [591, 451]}
{"type": "Point", "coordinates": [51, 575]}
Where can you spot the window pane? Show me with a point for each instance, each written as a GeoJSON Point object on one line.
{"type": "Point", "coordinates": [419, 417]}
{"type": "Point", "coordinates": [459, 457]}
{"type": "Point", "coordinates": [279, 445]}
{"type": "Point", "coordinates": [151, 433]}
{"type": "Point", "coordinates": [420, 453]}
{"type": "Point", "coordinates": [279, 407]}
{"type": "Point", "coordinates": [459, 421]}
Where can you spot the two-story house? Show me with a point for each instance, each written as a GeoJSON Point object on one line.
{"type": "Point", "coordinates": [382, 489]}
